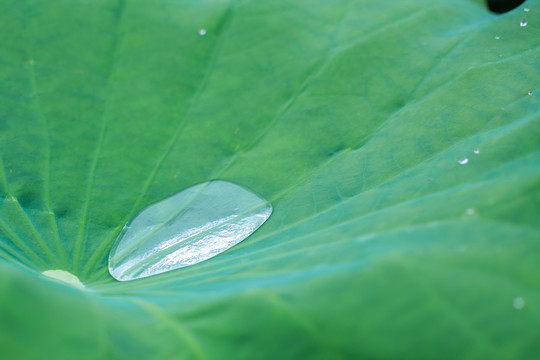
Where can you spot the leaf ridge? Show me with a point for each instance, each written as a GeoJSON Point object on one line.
{"type": "Point", "coordinates": [81, 235]}
{"type": "Point", "coordinates": [39, 114]}
{"type": "Point", "coordinates": [32, 227]}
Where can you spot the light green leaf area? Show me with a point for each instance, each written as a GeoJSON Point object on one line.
{"type": "Point", "coordinates": [350, 117]}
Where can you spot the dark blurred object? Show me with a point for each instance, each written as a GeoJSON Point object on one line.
{"type": "Point", "coordinates": [502, 6]}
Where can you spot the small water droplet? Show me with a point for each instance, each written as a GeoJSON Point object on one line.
{"type": "Point", "coordinates": [202, 32]}
{"type": "Point", "coordinates": [497, 37]}
{"type": "Point", "coordinates": [523, 23]}
{"type": "Point", "coordinates": [476, 151]}
{"type": "Point", "coordinates": [64, 277]}
{"type": "Point", "coordinates": [518, 303]}
{"type": "Point", "coordinates": [470, 211]}
{"type": "Point", "coordinates": [526, 9]}
{"type": "Point", "coordinates": [463, 161]}
{"type": "Point", "coordinates": [530, 93]}
{"type": "Point", "coordinates": [189, 227]}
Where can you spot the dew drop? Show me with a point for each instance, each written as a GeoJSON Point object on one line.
{"type": "Point", "coordinates": [463, 161]}
{"type": "Point", "coordinates": [526, 9]}
{"type": "Point", "coordinates": [64, 277]}
{"type": "Point", "coordinates": [189, 227]}
{"type": "Point", "coordinates": [470, 211]}
{"type": "Point", "coordinates": [523, 23]}
{"type": "Point", "coordinates": [518, 303]}
{"type": "Point", "coordinates": [202, 32]}
{"type": "Point", "coordinates": [497, 37]}
{"type": "Point", "coordinates": [530, 93]}
{"type": "Point", "coordinates": [476, 151]}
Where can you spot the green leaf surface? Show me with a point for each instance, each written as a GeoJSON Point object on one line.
{"type": "Point", "coordinates": [350, 117]}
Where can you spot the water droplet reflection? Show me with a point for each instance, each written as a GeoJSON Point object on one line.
{"type": "Point", "coordinates": [463, 161]}
{"type": "Point", "coordinates": [202, 32]}
{"type": "Point", "coordinates": [476, 151]}
{"type": "Point", "coordinates": [523, 23]}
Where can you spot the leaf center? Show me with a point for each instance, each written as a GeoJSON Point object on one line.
{"type": "Point", "coordinates": [64, 277]}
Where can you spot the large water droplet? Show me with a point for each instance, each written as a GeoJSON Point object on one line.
{"type": "Point", "coordinates": [523, 23]}
{"type": "Point", "coordinates": [202, 32]}
{"type": "Point", "coordinates": [187, 228]}
{"type": "Point", "coordinates": [526, 9]}
{"type": "Point", "coordinates": [463, 161]}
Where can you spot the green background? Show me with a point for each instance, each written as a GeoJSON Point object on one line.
{"type": "Point", "coordinates": [348, 116]}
